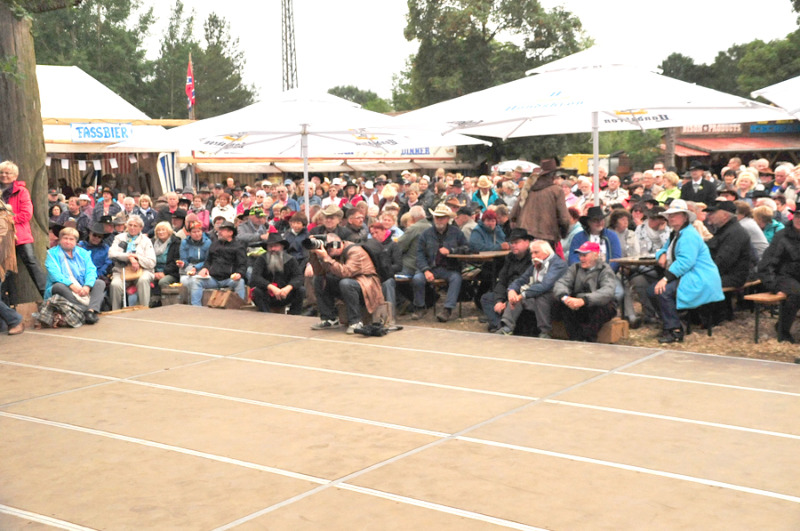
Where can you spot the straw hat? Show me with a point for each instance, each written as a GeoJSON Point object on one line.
{"type": "Point", "coordinates": [441, 211]}
{"type": "Point", "coordinates": [484, 182]}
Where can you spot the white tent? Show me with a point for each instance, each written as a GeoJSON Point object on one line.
{"type": "Point", "coordinates": [786, 94]}
{"type": "Point", "coordinates": [71, 96]}
{"type": "Point", "coordinates": [304, 124]}
{"type": "Point", "coordinates": [586, 93]}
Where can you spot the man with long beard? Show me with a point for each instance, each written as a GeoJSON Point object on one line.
{"type": "Point", "coordinates": [277, 278]}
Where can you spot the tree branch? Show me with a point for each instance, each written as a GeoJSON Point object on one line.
{"type": "Point", "coordinates": [42, 6]}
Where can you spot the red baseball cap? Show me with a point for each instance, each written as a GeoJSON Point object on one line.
{"type": "Point", "coordinates": [589, 247]}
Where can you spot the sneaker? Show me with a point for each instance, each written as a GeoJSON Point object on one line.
{"type": "Point", "coordinates": [445, 315]}
{"type": "Point", "coordinates": [545, 335]}
{"type": "Point", "coordinates": [354, 327]}
{"type": "Point", "coordinates": [419, 312]}
{"type": "Point", "coordinates": [326, 324]}
{"type": "Point", "coordinates": [504, 331]}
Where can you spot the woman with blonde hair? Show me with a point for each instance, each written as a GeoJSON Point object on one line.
{"type": "Point", "coordinates": [144, 209]}
{"type": "Point", "coordinates": [167, 247]}
{"type": "Point", "coordinates": [671, 190]}
{"type": "Point", "coordinates": [745, 186]}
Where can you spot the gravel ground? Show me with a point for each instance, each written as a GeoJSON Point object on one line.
{"type": "Point", "coordinates": [732, 338]}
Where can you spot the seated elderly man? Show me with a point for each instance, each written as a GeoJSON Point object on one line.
{"type": "Point", "coordinates": [225, 265]}
{"type": "Point", "coordinates": [691, 278]}
{"type": "Point", "coordinates": [533, 290]}
{"type": "Point", "coordinates": [730, 247]}
{"type": "Point", "coordinates": [347, 273]}
{"type": "Point", "coordinates": [435, 244]}
{"type": "Point", "coordinates": [651, 236]}
{"type": "Point", "coordinates": [133, 250]}
{"type": "Point", "coordinates": [586, 293]}
{"type": "Point", "coordinates": [779, 270]}
{"type": "Point", "coordinates": [72, 274]}
{"type": "Point", "coordinates": [277, 278]}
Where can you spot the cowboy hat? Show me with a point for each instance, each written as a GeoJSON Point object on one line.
{"type": "Point", "coordinates": [275, 237]}
{"type": "Point", "coordinates": [519, 234]}
{"type": "Point", "coordinates": [549, 166]}
{"type": "Point", "coordinates": [484, 182]}
{"type": "Point", "coordinates": [332, 210]}
{"type": "Point", "coordinates": [593, 213]}
{"type": "Point", "coordinates": [441, 211]}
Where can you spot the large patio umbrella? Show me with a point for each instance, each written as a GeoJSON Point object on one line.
{"type": "Point", "coordinates": [583, 93]}
{"type": "Point", "coordinates": [308, 124]}
{"type": "Point", "coordinates": [786, 94]}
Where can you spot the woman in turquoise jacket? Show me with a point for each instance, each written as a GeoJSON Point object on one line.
{"type": "Point", "coordinates": [691, 278]}
{"type": "Point", "coordinates": [72, 274]}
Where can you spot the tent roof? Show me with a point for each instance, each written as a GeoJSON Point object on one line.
{"type": "Point", "coordinates": [69, 92]}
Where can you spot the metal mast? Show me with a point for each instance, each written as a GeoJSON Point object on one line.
{"type": "Point", "coordinates": [287, 33]}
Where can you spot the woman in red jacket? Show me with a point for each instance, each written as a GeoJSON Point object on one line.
{"type": "Point", "coordinates": [15, 194]}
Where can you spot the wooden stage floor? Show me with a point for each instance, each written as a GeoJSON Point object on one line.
{"type": "Point", "coordinates": [202, 419]}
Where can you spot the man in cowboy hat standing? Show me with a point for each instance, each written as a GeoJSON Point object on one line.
{"type": "Point", "coordinates": [277, 278]}
{"type": "Point", "coordinates": [698, 189]}
{"type": "Point", "coordinates": [435, 244]}
{"type": "Point", "coordinates": [541, 208]}
{"type": "Point", "coordinates": [586, 294]}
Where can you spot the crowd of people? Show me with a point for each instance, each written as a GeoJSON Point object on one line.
{"type": "Point", "coordinates": [370, 242]}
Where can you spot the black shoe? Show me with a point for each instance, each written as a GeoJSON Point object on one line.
{"type": "Point", "coordinates": [445, 315]}
{"type": "Point", "coordinates": [90, 317]}
{"type": "Point", "coordinates": [649, 320]}
{"type": "Point", "coordinates": [782, 336]}
{"type": "Point", "coordinates": [672, 336]}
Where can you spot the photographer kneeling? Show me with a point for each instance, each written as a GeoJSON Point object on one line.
{"type": "Point", "coordinates": [343, 270]}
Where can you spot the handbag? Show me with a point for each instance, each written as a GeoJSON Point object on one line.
{"type": "Point", "coordinates": [131, 275]}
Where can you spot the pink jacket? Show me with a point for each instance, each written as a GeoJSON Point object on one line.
{"type": "Point", "coordinates": [20, 201]}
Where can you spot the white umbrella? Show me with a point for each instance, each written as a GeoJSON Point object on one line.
{"type": "Point", "coordinates": [511, 165]}
{"type": "Point", "coordinates": [308, 124]}
{"type": "Point", "coordinates": [581, 94]}
{"type": "Point", "coordinates": [786, 94]}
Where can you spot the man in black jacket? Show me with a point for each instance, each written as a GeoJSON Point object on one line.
{"type": "Point", "coordinates": [226, 264]}
{"type": "Point", "coordinates": [277, 278]}
{"type": "Point", "coordinates": [698, 189]}
{"type": "Point", "coordinates": [730, 247]}
{"type": "Point", "coordinates": [516, 262]}
{"type": "Point", "coordinates": [779, 270]}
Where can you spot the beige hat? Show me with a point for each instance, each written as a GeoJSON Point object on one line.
{"type": "Point", "coordinates": [332, 210]}
{"type": "Point", "coordinates": [442, 210]}
{"type": "Point", "coordinates": [484, 182]}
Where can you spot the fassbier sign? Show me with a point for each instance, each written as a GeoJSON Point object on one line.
{"type": "Point", "coordinates": [102, 133]}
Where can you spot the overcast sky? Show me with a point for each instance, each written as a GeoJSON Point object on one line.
{"type": "Point", "coordinates": [361, 43]}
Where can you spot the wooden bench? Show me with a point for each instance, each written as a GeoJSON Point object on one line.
{"type": "Point", "coordinates": [763, 299]}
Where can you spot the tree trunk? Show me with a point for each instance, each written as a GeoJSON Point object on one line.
{"type": "Point", "coordinates": [21, 135]}
{"type": "Point", "coordinates": [669, 150]}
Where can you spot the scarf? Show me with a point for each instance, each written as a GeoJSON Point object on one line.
{"type": "Point", "coordinates": [161, 247]}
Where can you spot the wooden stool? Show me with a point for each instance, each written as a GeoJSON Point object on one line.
{"type": "Point", "coordinates": [763, 299]}
{"type": "Point", "coordinates": [171, 295]}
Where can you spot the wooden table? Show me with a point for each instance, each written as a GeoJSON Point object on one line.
{"type": "Point", "coordinates": [632, 261]}
{"type": "Point", "coordinates": [484, 256]}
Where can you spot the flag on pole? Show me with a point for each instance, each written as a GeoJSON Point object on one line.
{"type": "Point", "coordinates": [190, 84]}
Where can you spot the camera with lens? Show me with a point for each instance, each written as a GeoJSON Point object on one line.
{"type": "Point", "coordinates": [313, 243]}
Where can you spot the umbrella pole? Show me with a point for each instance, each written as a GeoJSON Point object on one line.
{"type": "Point", "coordinates": [304, 154]}
{"type": "Point", "coordinates": [596, 156]}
